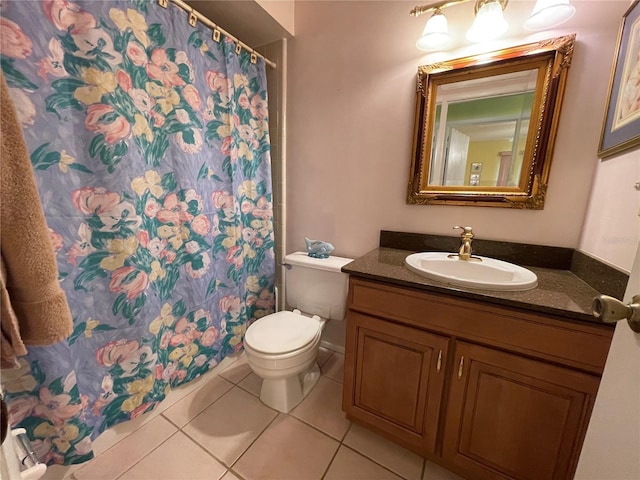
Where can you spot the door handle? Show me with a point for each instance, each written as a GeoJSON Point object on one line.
{"type": "Point", "coordinates": [439, 364]}
{"type": "Point", "coordinates": [460, 367]}
{"type": "Point", "coordinates": [610, 310]}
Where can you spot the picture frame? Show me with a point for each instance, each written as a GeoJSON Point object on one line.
{"type": "Point", "coordinates": [476, 167]}
{"type": "Point", "coordinates": [621, 124]}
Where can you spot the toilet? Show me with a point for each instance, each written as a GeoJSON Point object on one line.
{"type": "Point", "coordinates": [282, 348]}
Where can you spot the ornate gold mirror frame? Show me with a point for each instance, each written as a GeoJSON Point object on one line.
{"type": "Point", "coordinates": [522, 182]}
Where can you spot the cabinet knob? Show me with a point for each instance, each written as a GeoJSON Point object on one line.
{"type": "Point", "coordinates": [610, 310]}
{"type": "Point", "coordinates": [460, 367]}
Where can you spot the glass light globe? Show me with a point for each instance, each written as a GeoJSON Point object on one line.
{"type": "Point", "coordinates": [549, 13]}
{"type": "Point", "coordinates": [435, 33]}
{"type": "Point", "coordinates": [488, 24]}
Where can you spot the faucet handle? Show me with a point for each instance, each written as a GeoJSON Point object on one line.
{"type": "Point", "coordinates": [465, 230]}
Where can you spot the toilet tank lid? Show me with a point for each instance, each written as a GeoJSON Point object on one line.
{"type": "Point", "coordinates": [332, 264]}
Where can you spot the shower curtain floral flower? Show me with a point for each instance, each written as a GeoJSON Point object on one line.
{"type": "Point", "coordinates": [150, 145]}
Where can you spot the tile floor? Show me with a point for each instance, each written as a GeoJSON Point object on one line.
{"type": "Point", "coordinates": [217, 428]}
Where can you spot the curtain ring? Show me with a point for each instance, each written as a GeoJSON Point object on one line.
{"type": "Point", "coordinates": [238, 48]}
{"type": "Point", "coordinates": [254, 58]}
{"type": "Point", "coordinates": [216, 35]}
{"type": "Point", "coordinates": [193, 19]}
{"type": "Point", "coordinates": [163, 3]}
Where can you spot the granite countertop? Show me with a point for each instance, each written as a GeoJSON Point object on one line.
{"type": "Point", "coordinates": [559, 292]}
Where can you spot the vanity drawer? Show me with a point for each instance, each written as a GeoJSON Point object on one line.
{"type": "Point", "coordinates": [571, 343]}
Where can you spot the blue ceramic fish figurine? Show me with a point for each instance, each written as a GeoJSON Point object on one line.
{"type": "Point", "coordinates": [318, 249]}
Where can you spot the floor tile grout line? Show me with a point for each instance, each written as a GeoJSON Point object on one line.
{"type": "Point", "coordinates": [220, 461]}
{"type": "Point", "coordinates": [347, 432]}
{"type": "Point", "coordinates": [378, 463]}
{"type": "Point", "coordinates": [341, 443]}
{"type": "Point", "coordinates": [247, 390]}
{"type": "Point", "coordinates": [315, 427]}
{"type": "Point", "coordinates": [291, 415]}
{"type": "Point", "coordinates": [171, 421]}
{"type": "Point", "coordinates": [333, 380]}
{"type": "Point", "coordinates": [231, 381]}
{"type": "Point", "coordinates": [86, 464]}
{"type": "Point", "coordinates": [257, 437]}
{"type": "Point", "coordinates": [326, 470]}
{"type": "Point", "coordinates": [240, 477]}
{"type": "Point", "coordinates": [201, 411]}
{"type": "Point", "coordinates": [146, 422]}
{"type": "Point", "coordinates": [238, 382]}
{"type": "Point", "coordinates": [320, 365]}
{"type": "Point", "coordinates": [148, 453]}
{"type": "Point", "coordinates": [211, 454]}
{"type": "Point", "coordinates": [208, 453]}
{"type": "Point", "coordinates": [300, 420]}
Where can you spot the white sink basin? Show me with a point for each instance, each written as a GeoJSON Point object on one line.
{"type": "Point", "coordinates": [489, 274]}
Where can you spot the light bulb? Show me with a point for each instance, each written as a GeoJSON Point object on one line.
{"type": "Point", "coordinates": [549, 13]}
{"type": "Point", "coordinates": [488, 24]}
{"type": "Point", "coordinates": [435, 33]}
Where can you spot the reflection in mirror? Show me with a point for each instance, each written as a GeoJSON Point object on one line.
{"type": "Point", "coordinates": [482, 122]}
{"type": "Point", "coordinates": [485, 129]}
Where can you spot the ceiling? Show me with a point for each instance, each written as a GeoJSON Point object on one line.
{"type": "Point", "coordinates": [244, 19]}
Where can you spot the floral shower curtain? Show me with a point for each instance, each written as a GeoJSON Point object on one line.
{"type": "Point", "coordinates": [150, 146]}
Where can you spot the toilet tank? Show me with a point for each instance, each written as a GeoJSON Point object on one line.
{"type": "Point", "coordinates": [316, 286]}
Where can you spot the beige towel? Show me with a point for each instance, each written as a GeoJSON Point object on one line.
{"type": "Point", "coordinates": [34, 307]}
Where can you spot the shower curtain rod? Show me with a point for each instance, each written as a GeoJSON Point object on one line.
{"type": "Point", "coordinates": [194, 16]}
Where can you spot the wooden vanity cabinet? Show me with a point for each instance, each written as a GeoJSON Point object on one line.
{"type": "Point", "coordinates": [488, 392]}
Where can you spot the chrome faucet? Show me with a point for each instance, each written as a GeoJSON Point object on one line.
{"type": "Point", "coordinates": [465, 246]}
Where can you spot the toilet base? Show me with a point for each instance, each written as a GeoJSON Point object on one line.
{"type": "Point", "coordinates": [283, 394]}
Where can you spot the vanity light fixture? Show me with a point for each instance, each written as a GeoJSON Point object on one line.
{"type": "Point", "coordinates": [489, 22]}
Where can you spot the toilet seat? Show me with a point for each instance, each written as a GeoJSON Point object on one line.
{"type": "Point", "coordinates": [281, 333]}
{"type": "Point", "coordinates": [277, 366]}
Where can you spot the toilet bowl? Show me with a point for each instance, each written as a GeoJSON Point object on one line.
{"type": "Point", "coordinates": [282, 348]}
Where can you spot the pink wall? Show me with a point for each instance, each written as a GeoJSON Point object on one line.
{"type": "Point", "coordinates": [352, 68]}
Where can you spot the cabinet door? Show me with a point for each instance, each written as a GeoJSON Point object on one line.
{"type": "Point", "coordinates": [513, 417]}
{"type": "Point", "coordinates": [394, 377]}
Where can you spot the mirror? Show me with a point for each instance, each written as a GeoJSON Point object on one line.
{"type": "Point", "coordinates": [485, 126]}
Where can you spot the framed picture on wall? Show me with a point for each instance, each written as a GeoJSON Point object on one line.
{"type": "Point", "coordinates": [621, 125]}
{"type": "Point", "coordinates": [476, 167]}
